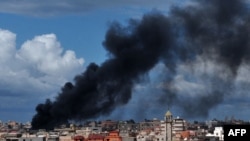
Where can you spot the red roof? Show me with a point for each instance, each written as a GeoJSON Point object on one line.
{"type": "Point", "coordinates": [95, 136]}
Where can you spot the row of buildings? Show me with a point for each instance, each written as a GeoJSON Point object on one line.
{"type": "Point", "coordinates": [169, 129]}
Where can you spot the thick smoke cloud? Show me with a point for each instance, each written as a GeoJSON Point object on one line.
{"type": "Point", "coordinates": [217, 27]}
{"type": "Point", "coordinates": [189, 38]}
{"type": "Point", "coordinates": [213, 31]}
{"type": "Point", "coordinates": [134, 50]}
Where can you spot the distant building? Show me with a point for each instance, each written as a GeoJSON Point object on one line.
{"type": "Point", "coordinates": [109, 125]}
{"type": "Point", "coordinates": [53, 136]}
{"type": "Point", "coordinates": [66, 138]}
{"type": "Point", "coordinates": [156, 130]}
{"type": "Point", "coordinates": [86, 131]}
{"type": "Point", "coordinates": [127, 128]}
{"type": "Point", "coordinates": [149, 124]}
{"type": "Point", "coordinates": [95, 137]}
{"type": "Point", "coordinates": [113, 136]}
{"type": "Point", "coordinates": [12, 136]}
{"type": "Point", "coordinates": [31, 139]}
{"type": "Point", "coordinates": [169, 124]}
{"type": "Point", "coordinates": [178, 126]}
{"type": "Point", "coordinates": [79, 138]}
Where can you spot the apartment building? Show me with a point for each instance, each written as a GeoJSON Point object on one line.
{"type": "Point", "coordinates": [113, 136]}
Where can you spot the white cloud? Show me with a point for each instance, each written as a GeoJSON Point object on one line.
{"type": "Point", "coordinates": [35, 71]}
{"type": "Point", "coordinates": [7, 43]}
{"type": "Point", "coordinates": [44, 53]}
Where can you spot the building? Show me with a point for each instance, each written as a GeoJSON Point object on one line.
{"type": "Point", "coordinates": [95, 137]}
{"type": "Point", "coordinates": [149, 124]}
{"type": "Point", "coordinates": [127, 128]}
{"type": "Point", "coordinates": [169, 123]}
{"type": "Point", "coordinates": [79, 138]}
{"type": "Point", "coordinates": [109, 125]}
{"type": "Point", "coordinates": [156, 130]}
{"type": "Point", "coordinates": [53, 136]}
{"type": "Point", "coordinates": [178, 126]}
{"type": "Point", "coordinates": [66, 138]}
{"type": "Point", "coordinates": [113, 136]}
{"type": "Point", "coordinates": [86, 131]}
{"type": "Point", "coordinates": [12, 136]}
{"type": "Point", "coordinates": [32, 138]}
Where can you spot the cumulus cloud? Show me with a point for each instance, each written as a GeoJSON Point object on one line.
{"type": "Point", "coordinates": [34, 71]}
{"type": "Point", "coordinates": [47, 49]}
{"type": "Point", "coordinates": [7, 43]}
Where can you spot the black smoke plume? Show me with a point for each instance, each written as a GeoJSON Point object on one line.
{"type": "Point", "coordinates": [215, 30]}
{"type": "Point", "coordinates": [212, 30]}
{"type": "Point", "coordinates": [134, 50]}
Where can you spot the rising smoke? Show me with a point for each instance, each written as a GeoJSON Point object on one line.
{"type": "Point", "coordinates": [215, 30]}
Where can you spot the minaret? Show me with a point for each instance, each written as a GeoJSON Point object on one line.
{"type": "Point", "coordinates": [169, 120]}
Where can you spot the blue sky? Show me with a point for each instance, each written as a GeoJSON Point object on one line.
{"type": "Point", "coordinates": [70, 35]}
{"type": "Point", "coordinates": [74, 31]}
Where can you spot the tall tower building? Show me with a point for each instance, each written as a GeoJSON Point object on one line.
{"type": "Point", "coordinates": [169, 122]}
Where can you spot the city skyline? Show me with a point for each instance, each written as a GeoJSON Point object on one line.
{"type": "Point", "coordinates": [203, 75]}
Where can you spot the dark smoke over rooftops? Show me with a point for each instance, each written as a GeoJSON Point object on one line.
{"type": "Point", "coordinates": [212, 30]}
{"type": "Point", "coordinates": [134, 50]}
